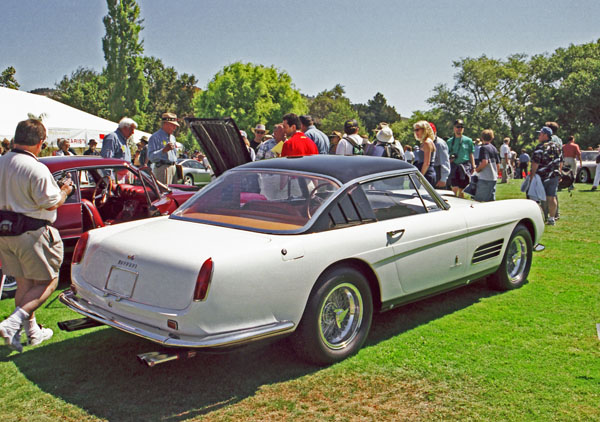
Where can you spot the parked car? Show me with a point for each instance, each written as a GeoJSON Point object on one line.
{"type": "Point", "coordinates": [586, 173]}
{"type": "Point", "coordinates": [107, 192]}
{"type": "Point", "coordinates": [194, 173]}
{"type": "Point", "coordinates": [309, 246]}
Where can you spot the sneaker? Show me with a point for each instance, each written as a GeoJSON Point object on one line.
{"type": "Point", "coordinates": [594, 188]}
{"type": "Point", "coordinates": [42, 334]}
{"type": "Point", "coordinates": [11, 336]}
{"type": "Point", "coordinates": [551, 222]}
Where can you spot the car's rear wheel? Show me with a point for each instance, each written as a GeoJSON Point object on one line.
{"type": "Point", "coordinates": [583, 176]}
{"type": "Point", "coordinates": [188, 180]}
{"type": "Point", "coordinates": [514, 269]}
{"type": "Point", "coordinates": [337, 318]}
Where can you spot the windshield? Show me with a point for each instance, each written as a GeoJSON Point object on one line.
{"type": "Point", "coordinates": [267, 201]}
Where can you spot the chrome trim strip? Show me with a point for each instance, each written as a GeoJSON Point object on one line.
{"type": "Point", "coordinates": [228, 338]}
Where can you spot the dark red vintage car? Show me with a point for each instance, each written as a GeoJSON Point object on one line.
{"type": "Point", "coordinates": [108, 191]}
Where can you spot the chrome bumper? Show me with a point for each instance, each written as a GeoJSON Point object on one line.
{"type": "Point", "coordinates": [157, 335]}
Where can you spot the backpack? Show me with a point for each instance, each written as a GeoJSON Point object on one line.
{"type": "Point", "coordinates": [567, 177]}
{"type": "Point", "coordinates": [356, 149]}
{"type": "Point", "coordinates": [392, 151]}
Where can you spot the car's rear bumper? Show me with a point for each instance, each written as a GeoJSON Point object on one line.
{"type": "Point", "coordinates": [170, 339]}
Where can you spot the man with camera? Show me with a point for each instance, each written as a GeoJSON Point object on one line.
{"type": "Point", "coordinates": [462, 160]}
{"type": "Point", "coordinates": [31, 250]}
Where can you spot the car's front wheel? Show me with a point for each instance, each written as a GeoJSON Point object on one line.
{"type": "Point", "coordinates": [337, 318]}
{"type": "Point", "coordinates": [188, 180]}
{"type": "Point", "coordinates": [514, 269]}
{"type": "Point", "coordinates": [583, 176]}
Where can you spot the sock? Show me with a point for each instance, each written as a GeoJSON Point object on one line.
{"type": "Point", "coordinates": [31, 326]}
{"type": "Point", "coordinates": [18, 317]}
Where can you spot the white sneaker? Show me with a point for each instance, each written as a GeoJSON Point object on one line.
{"type": "Point", "coordinates": [11, 335]}
{"type": "Point", "coordinates": [42, 334]}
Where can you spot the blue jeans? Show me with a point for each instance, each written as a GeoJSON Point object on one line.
{"type": "Point", "coordinates": [486, 191]}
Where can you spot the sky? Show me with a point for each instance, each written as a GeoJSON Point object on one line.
{"type": "Point", "coordinates": [402, 49]}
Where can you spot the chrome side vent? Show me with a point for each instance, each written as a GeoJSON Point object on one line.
{"type": "Point", "coordinates": [487, 251]}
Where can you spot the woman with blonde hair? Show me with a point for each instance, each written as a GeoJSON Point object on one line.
{"type": "Point", "coordinates": [426, 154]}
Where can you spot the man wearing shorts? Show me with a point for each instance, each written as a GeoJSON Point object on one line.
{"type": "Point", "coordinates": [462, 159]}
{"type": "Point", "coordinates": [31, 250]}
{"type": "Point", "coordinates": [546, 161]}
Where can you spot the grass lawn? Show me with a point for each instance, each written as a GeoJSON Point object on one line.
{"type": "Point", "coordinates": [471, 354]}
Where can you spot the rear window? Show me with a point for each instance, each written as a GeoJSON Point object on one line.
{"type": "Point", "coordinates": [266, 201]}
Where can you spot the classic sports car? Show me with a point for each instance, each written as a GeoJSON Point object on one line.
{"type": "Point", "coordinates": [194, 172]}
{"type": "Point", "coordinates": [586, 173]}
{"type": "Point", "coordinates": [306, 245]}
{"type": "Point", "coordinates": [108, 191]}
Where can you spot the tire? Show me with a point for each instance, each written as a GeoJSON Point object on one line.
{"type": "Point", "coordinates": [516, 263]}
{"type": "Point", "coordinates": [583, 176]}
{"type": "Point", "coordinates": [9, 288]}
{"type": "Point", "coordinates": [337, 318]}
{"type": "Point", "coordinates": [188, 180]}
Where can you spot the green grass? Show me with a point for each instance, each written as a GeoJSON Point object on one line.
{"type": "Point", "coordinates": [471, 354]}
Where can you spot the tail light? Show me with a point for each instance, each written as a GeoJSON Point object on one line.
{"type": "Point", "coordinates": [80, 248]}
{"type": "Point", "coordinates": [203, 280]}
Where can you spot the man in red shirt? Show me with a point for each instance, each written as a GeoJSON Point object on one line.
{"type": "Point", "coordinates": [298, 143]}
{"type": "Point", "coordinates": [571, 152]}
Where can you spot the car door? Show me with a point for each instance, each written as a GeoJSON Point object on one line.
{"type": "Point", "coordinates": [428, 239]}
{"type": "Point", "coordinates": [68, 216]}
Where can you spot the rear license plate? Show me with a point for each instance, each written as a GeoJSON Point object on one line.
{"type": "Point", "coordinates": [121, 282]}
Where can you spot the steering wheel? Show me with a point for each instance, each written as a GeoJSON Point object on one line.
{"type": "Point", "coordinates": [102, 191]}
{"type": "Point", "coordinates": [313, 202]}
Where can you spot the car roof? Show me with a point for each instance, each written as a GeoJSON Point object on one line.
{"type": "Point", "coordinates": [65, 162]}
{"type": "Point", "coordinates": [341, 167]}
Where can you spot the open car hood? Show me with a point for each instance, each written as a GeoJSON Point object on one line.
{"type": "Point", "coordinates": [221, 141]}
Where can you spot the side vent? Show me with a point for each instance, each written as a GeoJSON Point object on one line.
{"type": "Point", "coordinates": [487, 251]}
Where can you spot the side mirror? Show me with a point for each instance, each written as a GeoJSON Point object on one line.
{"type": "Point", "coordinates": [539, 247]}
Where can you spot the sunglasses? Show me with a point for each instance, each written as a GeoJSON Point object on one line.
{"type": "Point", "coordinates": [259, 132]}
{"type": "Point", "coordinates": [459, 127]}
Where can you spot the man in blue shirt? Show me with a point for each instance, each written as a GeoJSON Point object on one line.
{"type": "Point", "coordinates": [441, 162]}
{"type": "Point", "coordinates": [321, 140]}
{"type": "Point", "coordinates": [114, 145]}
{"type": "Point", "coordinates": [162, 150]}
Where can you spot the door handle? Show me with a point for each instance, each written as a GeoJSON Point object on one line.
{"type": "Point", "coordinates": [393, 233]}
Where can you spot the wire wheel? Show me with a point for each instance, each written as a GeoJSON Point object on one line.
{"type": "Point", "coordinates": [341, 316]}
{"type": "Point", "coordinates": [517, 258]}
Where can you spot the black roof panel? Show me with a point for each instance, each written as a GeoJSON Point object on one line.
{"type": "Point", "coordinates": [341, 167]}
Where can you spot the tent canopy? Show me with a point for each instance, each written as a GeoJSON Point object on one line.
{"type": "Point", "coordinates": [61, 120]}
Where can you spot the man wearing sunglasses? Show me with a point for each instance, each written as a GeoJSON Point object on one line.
{"type": "Point", "coordinates": [259, 133]}
{"type": "Point", "coordinates": [462, 159]}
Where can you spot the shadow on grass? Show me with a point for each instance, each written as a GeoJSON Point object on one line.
{"type": "Point", "coordinates": [99, 373]}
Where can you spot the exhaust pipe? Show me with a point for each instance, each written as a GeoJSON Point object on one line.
{"type": "Point", "coordinates": [152, 359]}
{"type": "Point", "coordinates": [78, 324]}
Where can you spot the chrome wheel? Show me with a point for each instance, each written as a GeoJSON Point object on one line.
{"type": "Point", "coordinates": [516, 259]}
{"type": "Point", "coordinates": [188, 180]}
{"type": "Point", "coordinates": [341, 316]}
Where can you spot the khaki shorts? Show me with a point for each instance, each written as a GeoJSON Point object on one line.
{"type": "Point", "coordinates": [36, 254]}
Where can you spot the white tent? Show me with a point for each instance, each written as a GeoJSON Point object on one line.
{"type": "Point", "coordinates": [61, 121]}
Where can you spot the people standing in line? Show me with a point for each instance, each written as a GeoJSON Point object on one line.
{"type": "Point", "coordinates": [265, 150]}
{"type": "Point", "coordinates": [571, 152]}
{"type": "Point", "coordinates": [487, 169]}
{"type": "Point", "coordinates": [310, 130]}
{"type": "Point", "coordinates": [523, 164]}
{"type": "Point", "coordinates": [91, 148]}
{"type": "Point", "coordinates": [114, 145]}
{"type": "Point", "coordinates": [441, 163]}
{"type": "Point", "coordinates": [298, 143]}
{"type": "Point", "coordinates": [162, 149]}
{"type": "Point", "coordinates": [351, 142]}
{"type": "Point", "coordinates": [462, 160]}
{"type": "Point", "coordinates": [426, 155]}
{"type": "Point", "coordinates": [546, 161]}
{"type": "Point", "coordinates": [334, 139]}
{"type": "Point", "coordinates": [259, 133]}
{"type": "Point", "coordinates": [505, 157]}
{"type": "Point", "coordinates": [33, 253]}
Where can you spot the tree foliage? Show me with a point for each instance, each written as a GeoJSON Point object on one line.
{"type": "Point", "coordinates": [375, 111]}
{"type": "Point", "coordinates": [331, 108]}
{"type": "Point", "coordinates": [86, 90]}
{"type": "Point", "coordinates": [127, 87]}
{"type": "Point", "coordinates": [8, 80]}
{"type": "Point", "coordinates": [250, 94]}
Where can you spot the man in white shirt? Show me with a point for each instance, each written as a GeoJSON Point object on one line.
{"type": "Point", "coordinates": [351, 143]}
{"type": "Point", "coordinates": [505, 157]}
{"type": "Point", "coordinates": [31, 250]}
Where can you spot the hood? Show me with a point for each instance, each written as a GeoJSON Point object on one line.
{"type": "Point", "coordinates": [221, 141]}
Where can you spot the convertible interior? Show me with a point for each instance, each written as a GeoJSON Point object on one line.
{"type": "Point", "coordinates": [113, 195]}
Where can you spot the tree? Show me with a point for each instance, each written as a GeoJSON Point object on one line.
{"type": "Point", "coordinates": [127, 87]}
{"type": "Point", "coordinates": [85, 89]}
{"type": "Point", "coordinates": [375, 111]}
{"type": "Point", "coordinates": [7, 79]}
{"type": "Point", "coordinates": [331, 108]}
{"type": "Point", "coordinates": [250, 94]}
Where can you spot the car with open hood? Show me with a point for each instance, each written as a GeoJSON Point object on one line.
{"type": "Point", "coordinates": [308, 246]}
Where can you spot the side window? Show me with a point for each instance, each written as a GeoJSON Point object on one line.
{"type": "Point", "coordinates": [394, 197]}
{"type": "Point", "coordinates": [86, 180]}
{"type": "Point", "coordinates": [74, 197]}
